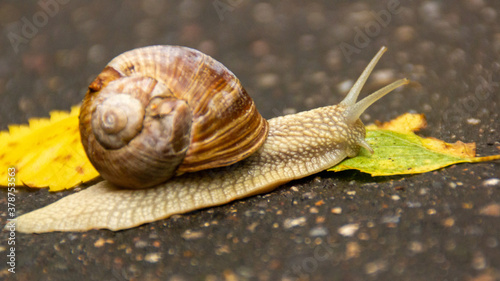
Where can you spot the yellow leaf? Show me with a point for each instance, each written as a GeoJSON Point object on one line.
{"type": "Point", "coordinates": [458, 149]}
{"type": "Point", "coordinates": [405, 123]}
{"type": "Point", "coordinates": [46, 153]}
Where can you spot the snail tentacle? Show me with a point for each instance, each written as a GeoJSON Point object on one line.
{"type": "Point", "coordinates": [352, 95]}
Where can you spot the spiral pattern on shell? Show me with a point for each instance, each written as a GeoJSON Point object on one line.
{"type": "Point", "coordinates": [160, 111]}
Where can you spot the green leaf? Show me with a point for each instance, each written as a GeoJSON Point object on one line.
{"type": "Point", "coordinates": [399, 151]}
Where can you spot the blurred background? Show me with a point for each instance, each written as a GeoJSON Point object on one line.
{"type": "Point", "coordinates": [291, 56]}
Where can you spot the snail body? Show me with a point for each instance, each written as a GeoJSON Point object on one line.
{"type": "Point", "coordinates": [296, 146]}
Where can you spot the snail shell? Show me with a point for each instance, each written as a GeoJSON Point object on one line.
{"type": "Point", "coordinates": [161, 111]}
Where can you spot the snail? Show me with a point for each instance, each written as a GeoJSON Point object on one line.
{"type": "Point", "coordinates": [255, 156]}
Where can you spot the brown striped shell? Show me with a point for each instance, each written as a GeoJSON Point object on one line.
{"type": "Point", "coordinates": [160, 111]}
